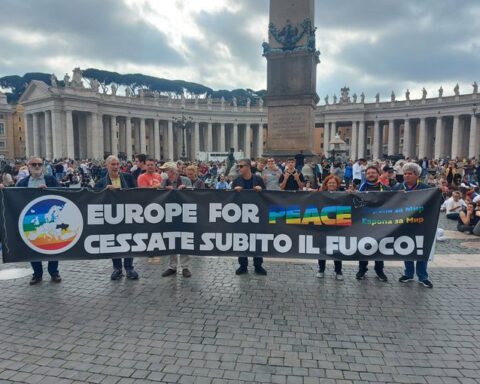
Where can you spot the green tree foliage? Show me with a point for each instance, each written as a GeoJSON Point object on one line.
{"type": "Point", "coordinates": [18, 84]}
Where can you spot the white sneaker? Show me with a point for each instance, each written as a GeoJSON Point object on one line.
{"type": "Point", "coordinates": [338, 276]}
{"type": "Point", "coordinates": [320, 275]}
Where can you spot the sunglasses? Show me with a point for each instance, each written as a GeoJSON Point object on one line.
{"type": "Point", "coordinates": [35, 164]}
{"type": "Point", "coordinates": [241, 165]}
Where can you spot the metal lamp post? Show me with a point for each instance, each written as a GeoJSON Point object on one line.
{"type": "Point", "coordinates": [183, 123]}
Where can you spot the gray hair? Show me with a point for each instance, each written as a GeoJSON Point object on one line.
{"type": "Point", "coordinates": [248, 162]}
{"type": "Point", "coordinates": [109, 159]}
{"type": "Point", "coordinates": [412, 167]}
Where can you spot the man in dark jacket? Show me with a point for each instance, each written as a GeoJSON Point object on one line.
{"type": "Point", "coordinates": [116, 180]}
{"type": "Point", "coordinates": [411, 175]}
{"type": "Point", "coordinates": [372, 183]}
{"type": "Point", "coordinates": [37, 179]}
{"type": "Point", "coordinates": [247, 180]}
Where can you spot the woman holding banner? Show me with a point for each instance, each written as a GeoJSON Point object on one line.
{"type": "Point", "coordinates": [330, 184]}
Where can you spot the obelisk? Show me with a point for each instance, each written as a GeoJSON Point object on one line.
{"type": "Point", "coordinates": [292, 60]}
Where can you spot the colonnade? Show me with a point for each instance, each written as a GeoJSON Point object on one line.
{"type": "Point", "coordinates": [55, 134]}
{"type": "Point", "coordinates": [439, 136]}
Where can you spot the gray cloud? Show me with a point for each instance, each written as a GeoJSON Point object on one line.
{"type": "Point", "coordinates": [395, 43]}
{"type": "Point", "coordinates": [104, 30]}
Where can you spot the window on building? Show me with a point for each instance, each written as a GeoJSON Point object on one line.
{"type": "Point", "coordinates": [2, 129]}
{"type": "Point", "coordinates": [19, 129]}
{"type": "Point", "coordinates": [369, 140]}
{"type": "Point", "coordinates": [2, 144]}
{"type": "Point", "coordinates": [20, 138]}
{"type": "Point", "coordinates": [347, 140]}
{"type": "Point", "coordinates": [19, 119]}
{"type": "Point", "coordinates": [1, 116]}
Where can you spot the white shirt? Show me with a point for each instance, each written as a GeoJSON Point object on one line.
{"type": "Point", "coordinates": [357, 171]}
{"type": "Point", "coordinates": [452, 206]}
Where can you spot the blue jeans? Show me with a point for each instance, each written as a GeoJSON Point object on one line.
{"type": "Point", "coordinates": [421, 269]}
{"type": "Point", "coordinates": [127, 263]}
{"type": "Point", "coordinates": [38, 268]}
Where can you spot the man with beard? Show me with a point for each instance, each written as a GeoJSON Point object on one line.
{"type": "Point", "coordinates": [372, 183]}
{"type": "Point", "coordinates": [247, 180]}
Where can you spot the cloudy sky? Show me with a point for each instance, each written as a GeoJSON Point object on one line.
{"type": "Point", "coordinates": [370, 45]}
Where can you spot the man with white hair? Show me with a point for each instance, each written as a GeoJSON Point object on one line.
{"type": "Point", "coordinates": [175, 181]}
{"type": "Point", "coordinates": [37, 179]}
{"type": "Point", "coordinates": [411, 182]}
{"type": "Point", "coordinates": [114, 179]}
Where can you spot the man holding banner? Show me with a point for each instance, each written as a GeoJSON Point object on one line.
{"type": "Point", "coordinates": [372, 183]}
{"type": "Point", "coordinates": [248, 181]}
{"type": "Point", "coordinates": [411, 177]}
{"type": "Point", "coordinates": [37, 179]}
{"type": "Point", "coordinates": [116, 180]}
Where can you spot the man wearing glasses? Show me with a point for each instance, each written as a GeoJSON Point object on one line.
{"type": "Point", "coordinates": [247, 180]}
{"type": "Point", "coordinates": [37, 179]}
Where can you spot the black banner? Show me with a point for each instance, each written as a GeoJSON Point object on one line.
{"type": "Point", "coordinates": [56, 224]}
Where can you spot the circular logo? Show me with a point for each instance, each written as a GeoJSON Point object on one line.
{"type": "Point", "coordinates": [50, 224]}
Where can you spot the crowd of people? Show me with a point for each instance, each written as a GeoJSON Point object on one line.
{"type": "Point", "coordinates": [457, 180]}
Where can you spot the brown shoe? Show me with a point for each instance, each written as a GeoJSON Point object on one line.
{"type": "Point", "coordinates": [186, 273]}
{"type": "Point", "coordinates": [169, 272]}
{"type": "Point", "coordinates": [56, 278]}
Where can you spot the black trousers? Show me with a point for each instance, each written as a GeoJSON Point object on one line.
{"type": "Point", "coordinates": [362, 266]}
{"type": "Point", "coordinates": [243, 261]}
{"type": "Point", "coordinates": [336, 263]}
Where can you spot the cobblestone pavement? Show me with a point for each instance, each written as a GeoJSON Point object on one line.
{"type": "Point", "coordinates": [216, 327]}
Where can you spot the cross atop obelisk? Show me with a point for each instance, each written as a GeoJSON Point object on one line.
{"type": "Point", "coordinates": [292, 60]}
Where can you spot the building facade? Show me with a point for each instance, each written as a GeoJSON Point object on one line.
{"type": "Point", "coordinates": [6, 131]}
{"type": "Point", "coordinates": [80, 123]}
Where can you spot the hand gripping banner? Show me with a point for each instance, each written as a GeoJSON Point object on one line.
{"type": "Point", "coordinates": [62, 224]}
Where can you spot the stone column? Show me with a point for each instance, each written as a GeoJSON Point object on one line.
{"type": "Point", "coordinates": [128, 137]}
{"type": "Point", "coordinates": [36, 135]}
{"type": "Point", "coordinates": [422, 139]}
{"type": "Point", "coordinates": [209, 145]}
{"type": "Point", "coordinates": [354, 141]}
{"type": "Point", "coordinates": [222, 138]}
{"type": "Point", "coordinates": [170, 140]}
{"type": "Point", "coordinates": [361, 140]}
{"type": "Point", "coordinates": [260, 140]}
{"type": "Point", "coordinates": [377, 140]}
{"type": "Point", "coordinates": [95, 142]}
{"type": "Point", "coordinates": [439, 138]}
{"type": "Point", "coordinates": [473, 142]}
{"type": "Point", "coordinates": [113, 135]}
{"type": "Point", "coordinates": [57, 134]}
{"type": "Point", "coordinates": [456, 137]}
{"type": "Point", "coordinates": [235, 137]}
{"type": "Point", "coordinates": [143, 142]}
{"type": "Point", "coordinates": [70, 149]}
{"type": "Point", "coordinates": [391, 137]}
{"type": "Point", "coordinates": [326, 138]}
{"type": "Point", "coordinates": [156, 138]}
{"type": "Point", "coordinates": [196, 139]}
{"type": "Point", "coordinates": [48, 136]}
{"type": "Point", "coordinates": [407, 139]}
{"type": "Point", "coordinates": [248, 140]}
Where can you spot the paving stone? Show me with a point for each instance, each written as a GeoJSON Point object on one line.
{"type": "Point", "coordinates": [220, 328]}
